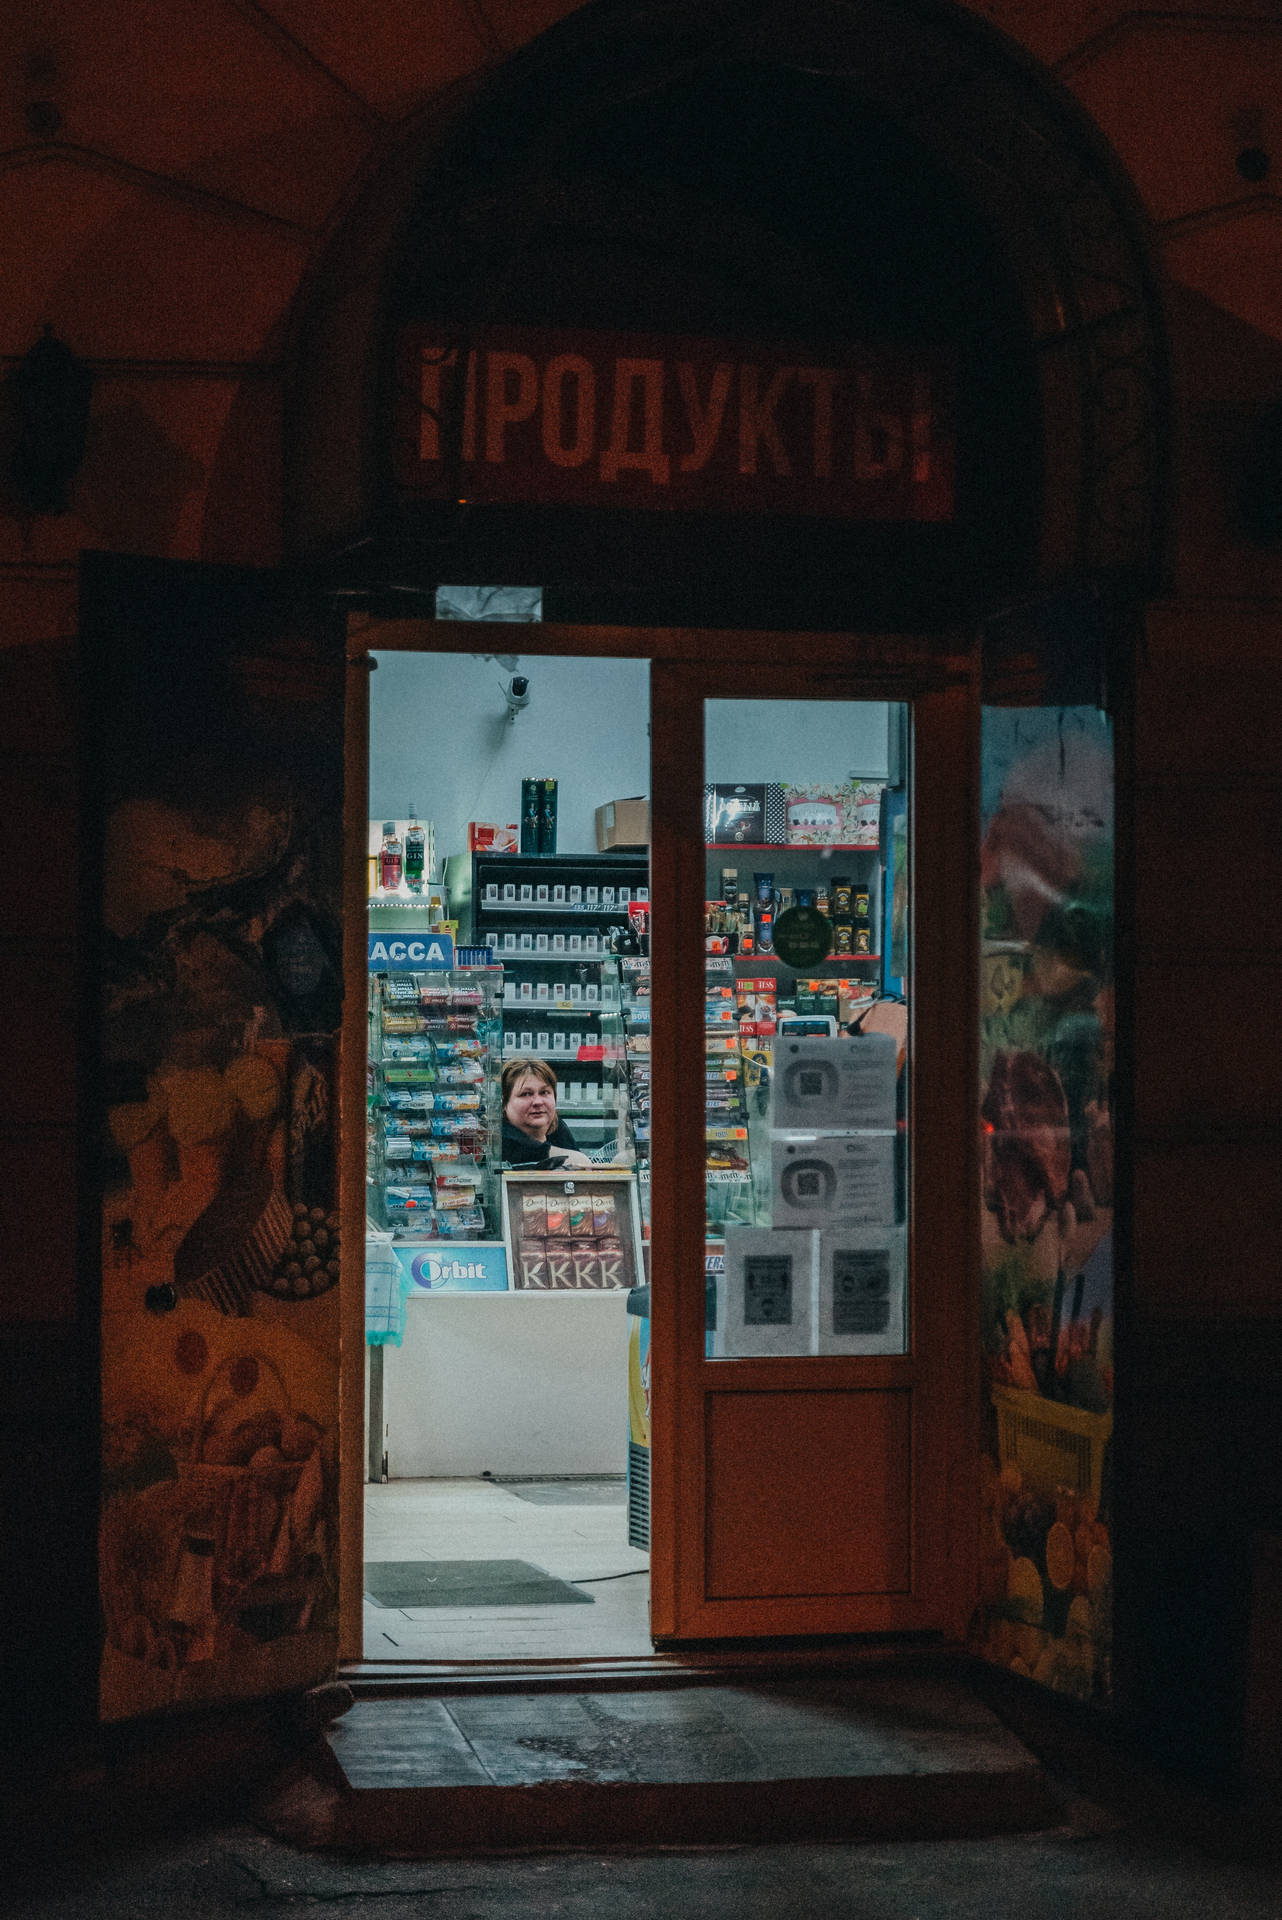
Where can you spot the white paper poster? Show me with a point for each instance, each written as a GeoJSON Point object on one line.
{"type": "Point", "coordinates": [766, 1306]}
{"type": "Point", "coordinates": [833, 1180]}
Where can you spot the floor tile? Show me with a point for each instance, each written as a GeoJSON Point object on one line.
{"type": "Point", "coordinates": [475, 1519]}
{"type": "Point", "coordinates": [404, 1743]}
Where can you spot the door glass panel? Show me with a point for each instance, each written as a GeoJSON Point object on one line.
{"type": "Point", "coordinates": [807, 970]}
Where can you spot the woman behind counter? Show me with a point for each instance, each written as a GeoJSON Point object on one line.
{"type": "Point", "coordinates": [534, 1135]}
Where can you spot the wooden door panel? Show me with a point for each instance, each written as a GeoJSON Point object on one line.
{"type": "Point", "coordinates": [810, 1494]}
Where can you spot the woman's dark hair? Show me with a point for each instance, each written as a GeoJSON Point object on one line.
{"type": "Point", "coordinates": [525, 1063]}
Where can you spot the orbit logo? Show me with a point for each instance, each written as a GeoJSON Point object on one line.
{"type": "Point", "coordinates": [438, 1270]}
{"type": "Point", "coordinates": [476, 1272]}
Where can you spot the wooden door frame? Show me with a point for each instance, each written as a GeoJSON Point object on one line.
{"type": "Point", "coordinates": [848, 665]}
{"type": "Point", "coordinates": [942, 1104]}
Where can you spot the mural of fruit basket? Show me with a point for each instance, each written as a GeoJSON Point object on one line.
{"type": "Point", "coordinates": [232, 1548]}
{"type": "Point", "coordinates": [1053, 1445]}
{"type": "Point", "coordinates": [256, 1479]}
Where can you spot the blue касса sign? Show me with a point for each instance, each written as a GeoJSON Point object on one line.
{"type": "Point", "coordinates": [410, 952]}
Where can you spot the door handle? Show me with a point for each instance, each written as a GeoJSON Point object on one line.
{"type": "Point", "coordinates": [162, 1299]}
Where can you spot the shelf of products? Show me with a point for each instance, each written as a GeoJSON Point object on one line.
{"type": "Point", "coordinates": [634, 994]}
{"type": "Point", "coordinates": [749, 961]}
{"type": "Point", "coordinates": [591, 890]}
{"type": "Point", "coordinates": [560, 998]}
{"type": "Point", "coordinates": [839, 881]}
{"type": "Point", "coordinates": [808, 847]}
{"type": "Point", "coordinates": [433, 1116]}
{"type": "Point", "coordinates": [728, 1182]}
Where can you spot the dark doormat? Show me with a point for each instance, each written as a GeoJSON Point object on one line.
{"type": "Point", "coordinates": [569, 1493]}
{"type": "Point", "coordinates": [467, 1583]}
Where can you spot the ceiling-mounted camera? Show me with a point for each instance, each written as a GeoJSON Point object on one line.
{"type": "Point", "coordinates": [517, 694]}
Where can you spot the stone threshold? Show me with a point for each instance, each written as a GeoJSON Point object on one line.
{"type": "Point", "coordinates": [874, 1753]}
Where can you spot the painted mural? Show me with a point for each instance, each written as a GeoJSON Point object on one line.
{"type": "Point", "coordinates": [1046, 1076]}
{"type": "Point", "coordinates": [220, 774]}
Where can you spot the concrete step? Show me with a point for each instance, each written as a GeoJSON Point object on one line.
{"type": "Point", "coordinates": [859, 1755]}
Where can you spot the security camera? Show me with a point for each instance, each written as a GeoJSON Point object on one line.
{"type": "Point", "coordinates": [517, 694]}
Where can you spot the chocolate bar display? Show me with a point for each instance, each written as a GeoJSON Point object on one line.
{"type": "Point", "coordinates": [566, 1234]}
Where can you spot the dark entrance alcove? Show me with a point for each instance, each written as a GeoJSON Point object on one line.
{"type": "Point", "coordinates": [815, 174]}
{"type": "Point", "coordinates": [738, 200]}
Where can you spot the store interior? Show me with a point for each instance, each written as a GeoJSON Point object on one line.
{"type": "Point", "coordinates": [507, 1393]}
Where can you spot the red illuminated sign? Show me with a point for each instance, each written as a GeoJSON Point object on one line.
{"type": "Point", "coordinates": [504, 415]}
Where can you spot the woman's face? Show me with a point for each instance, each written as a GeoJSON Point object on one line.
{"type": "Point", "coordinates": [531, 1106]}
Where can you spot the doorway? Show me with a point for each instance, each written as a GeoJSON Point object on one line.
{"type": "Point", "coordinates": [606, 1386]}
{"type": "Point", "coordinates": [506, 1152]}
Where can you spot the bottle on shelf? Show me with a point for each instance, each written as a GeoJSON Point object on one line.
{"type": "Point", "coordinates": [547, 816]}
{"type": "Point", "coordinates": [415, 850]}
{"type": "Point", "coordinates": [531, 795]}
{"type": "Point", "coordinates": [389, 858]}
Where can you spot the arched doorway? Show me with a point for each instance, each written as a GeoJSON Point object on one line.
{"type": "Point", "coordinates": [892, 179]}
{"type": "Point", "coordinates": [819, 145]}
{"type": "Point", "coordinates": [939, 148]}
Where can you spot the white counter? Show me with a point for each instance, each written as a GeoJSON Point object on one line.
{"type": "Point", "coordinates": [508, 1383]}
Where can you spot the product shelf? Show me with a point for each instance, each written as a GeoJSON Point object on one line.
{"type": "Point", "coordinates": [573, 909]}
{"type": "Point", "coordinates": [507, 956]}
{"type": "Point", "coordinates": [811, 847]}
{"type": "Point", "coordinates": [754, 960]}
{"type": "Point", "coordinates": [592, 1008]}
{"type": "Point", "coordinates": [410, 1192]}
{"type": "Point", "coordinates": [401, 901]}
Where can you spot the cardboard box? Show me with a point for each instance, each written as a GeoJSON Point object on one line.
{"type": "Point", "coordinates": [845, 814]}
{"type": "Point", "coordinates": [745, 815]}
{"type": "Point", "coordinates": [487, 836]}
{"type": "Point", "coordinates": [623, 823]}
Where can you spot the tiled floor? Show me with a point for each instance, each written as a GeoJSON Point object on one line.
{"type": "Point", "coordinates": [479, 1520]}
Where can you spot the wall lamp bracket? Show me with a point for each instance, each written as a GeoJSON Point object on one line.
{"type": "Point", "coordinates": [47, 398]}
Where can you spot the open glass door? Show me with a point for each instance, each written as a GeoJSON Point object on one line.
{"type": "Point", "coordinates": [814, 999]}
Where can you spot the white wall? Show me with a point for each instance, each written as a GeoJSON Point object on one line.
{"type": "Point", "coordinates": [508, 1383]}
{"type": "Point", "coordinates": [807, 742]}
{"type": "Point", "coordinates": [440, 742]}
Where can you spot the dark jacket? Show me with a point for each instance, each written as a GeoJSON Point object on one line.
{"type": "Point", "coordinates": [520, 1151]}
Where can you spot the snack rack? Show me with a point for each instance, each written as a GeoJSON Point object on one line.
{"type": "Point", "coordinates": [435, 1054]}
{"type": "Point", "coordinates": [728, 1176]}
{"type": "Point", "coordinates": [634, 997]}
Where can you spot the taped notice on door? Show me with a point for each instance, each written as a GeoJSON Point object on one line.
{"type": "Point", "coordinates": [833, 1180]}
{"type": "Point", "coordinates": [838, 1081]}
{"type": "Point", "coordinates": [860, 1302]}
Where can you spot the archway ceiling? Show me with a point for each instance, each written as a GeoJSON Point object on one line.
{"type": "Point", "coordinates": [238, 130]}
